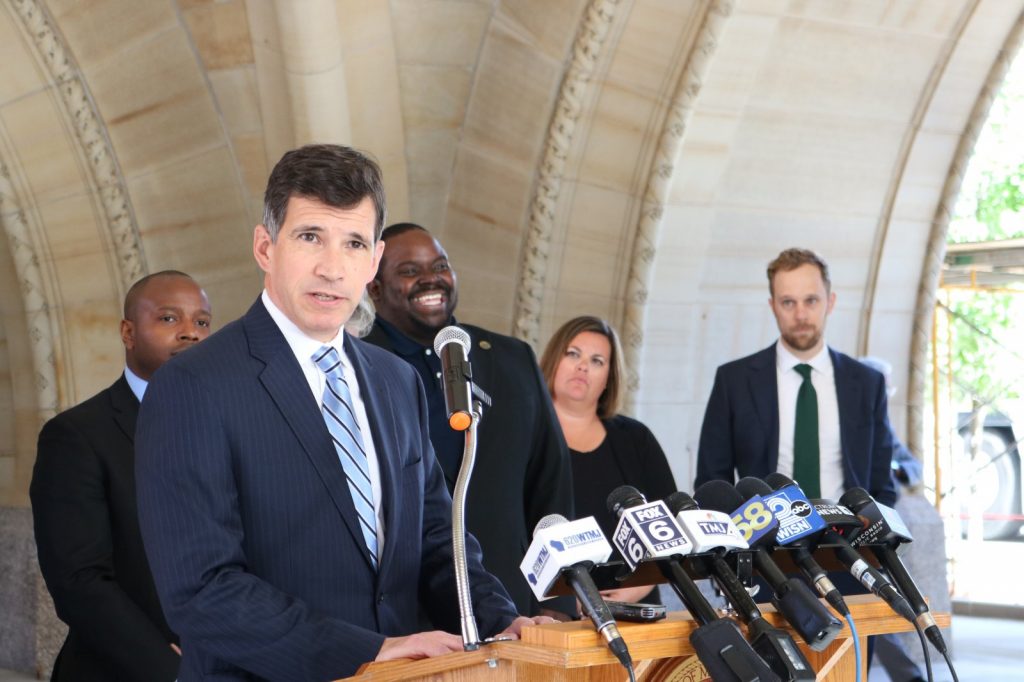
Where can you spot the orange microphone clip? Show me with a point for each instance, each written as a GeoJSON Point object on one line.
{"type": "Point", "coordinates": [460, 421]}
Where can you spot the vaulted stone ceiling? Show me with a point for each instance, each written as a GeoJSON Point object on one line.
{"type": "Point", "coordinates": [639, 159]}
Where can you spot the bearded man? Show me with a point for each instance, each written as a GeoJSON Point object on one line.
{"type": "Point", "coordinates": [799, 407]}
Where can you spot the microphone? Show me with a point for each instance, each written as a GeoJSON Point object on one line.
{"type": "Point", "coordinates": [841, 520]}
{"type": "Point", "coordinates": [793, 599]}
{"type": "Point", "coordinates": [799, 526]}
{"type": "Point", "coordinates": [452, 346]}
{"type": "Point", "coordinates": [570, 548]}
{"type": "Point", "coordinates": [638, 521]}
{"type": "Point", "coordinates": [645, 531]}
{"type": "Point", "coordinates": [884, 531]}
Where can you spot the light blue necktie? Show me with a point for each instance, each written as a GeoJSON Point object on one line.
{"type": "Point", "coordinates": [348, 441]}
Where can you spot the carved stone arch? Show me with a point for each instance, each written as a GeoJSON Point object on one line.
{"type": "Point", "coordinates": [578, 79]}
{"type": "Point", "coordinates": [936, 248]}
{"type": "Point", "coordinates": [90, 133]}
{"type": "Point", "coordinates": [37, 292]}
{"type": "Point", "coordinates": [659, 181]}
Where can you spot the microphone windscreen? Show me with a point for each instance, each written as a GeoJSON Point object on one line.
{"type": "Point", "coordinates": [750, 486]}
{"type": "Point", "coordinates": [680, 501]}
{"type": "Point", "coordinates": [548, 521]}
{"type": "Point", "coordinates": [720, 646]}
{"type": "Point", "coordinates": [624, 497]}
{"type": "Point", "coordinates": [718, 496]}
{"type": "Point", "coordinates": [451, 334]}
{"type": "Point", "coordinates": [777, 480]}
{"type": "Point", "coordinates": [856, 499]}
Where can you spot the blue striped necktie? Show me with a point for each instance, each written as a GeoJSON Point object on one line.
{"type": "Point", "coordinates": [348, 442]}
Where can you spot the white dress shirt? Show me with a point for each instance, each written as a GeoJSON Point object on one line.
{"type": "Point", "coordinates": [304, 349]}
{"type": "Point", "coordinates": [830, 446]}
{"type": "Point", "coordinates": [136, 383]}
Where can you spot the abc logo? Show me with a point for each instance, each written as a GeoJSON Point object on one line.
{"type": "Point", "coordinates": [800, 508]}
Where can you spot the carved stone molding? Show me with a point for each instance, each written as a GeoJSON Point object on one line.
{"type": "Point", "coordinates": [659, 182]}
{"type": "Point", "coordinates": [910, 136]}
{"type": "Point", "coordinates": [936, 250]}
{"type": "Point", "coordinates": [39, 313]}
{"type": "Point", "coordinates": [96, 149]}
{"type": "Point", "coordinates": [586, 53]}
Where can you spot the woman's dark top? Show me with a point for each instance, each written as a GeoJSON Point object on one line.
{"type": "Point", "coordinates": [628, 455]}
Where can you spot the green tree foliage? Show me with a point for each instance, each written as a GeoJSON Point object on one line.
{"type": "Point", "coordinates": [1000, 193]}
{"type": "Point", "coordinates": [982, 363]}
{"type": "Point", "coordinates": [984, 328]}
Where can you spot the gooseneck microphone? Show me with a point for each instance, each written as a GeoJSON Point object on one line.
{"type": "Point", "coordinates": [802, 527]}
{"type": "Point", "coordinates": [840, 519]}
{"type": "Point", "coordinates": [452, 347]}
{"type": "Point", "coordinates": [718, 642]}
{"type": "Point", "coordinates": [570, 549]}
{"type": "Point", "coordinates": [793, 599]}
{"type": "Point", "coordinates": [883, 532]}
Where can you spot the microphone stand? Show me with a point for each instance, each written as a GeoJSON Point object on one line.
{"type": "Point", "coordinates": [470, 633]}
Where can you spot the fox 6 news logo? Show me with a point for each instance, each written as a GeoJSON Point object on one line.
{"type": "Point", "coordinates": [658, 529]}
{"type": "Point", "coordinates": [629, 545]}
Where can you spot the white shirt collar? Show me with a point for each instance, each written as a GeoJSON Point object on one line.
{"type": "Point", "coordinates": [136, 383]}
{"type": "Point", "coordinates": [786, 361]}
{"type": "Point", "coordinates": [303, 345]}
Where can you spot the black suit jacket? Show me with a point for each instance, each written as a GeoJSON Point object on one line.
{"type": "Point", "coordinates": [522, 471]}
{"type": "Point", "coordinates": [249, 524]}
{"type": "Point", "coordinates": [90, 550]}
{"type": "Point", "coordinates": [740, 435]}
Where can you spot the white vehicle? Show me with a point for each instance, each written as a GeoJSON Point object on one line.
{"type": "Point", "coordinates": [995, 474]}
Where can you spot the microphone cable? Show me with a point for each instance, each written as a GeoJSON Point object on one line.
{"type": "Point", "coordinates": [856, 642]}
{"type": "Point", "coordinates": [949, 664]}
{"type": "Point", "coordinates": [927, 656]}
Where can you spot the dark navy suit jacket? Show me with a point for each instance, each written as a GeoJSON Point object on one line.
{"type": "Point", "coordinates": [249, 525]}
{"type": "Point", "coordinates": [90, 549]}
{"type": "Point", "coordinates": [521, 472]}
{"type": "Point", "coordinates": [740, 435]}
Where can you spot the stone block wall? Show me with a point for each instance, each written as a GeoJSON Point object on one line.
{"type": "Point", "coordinates": [30, 633]}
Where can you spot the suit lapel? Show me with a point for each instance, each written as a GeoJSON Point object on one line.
{"type": "Point", "coordinates": [764, 387]}
{"type": "Point", "coordinates": [125, 407]}
{"type": "Point", "coordinates": [284, 381]}
{"type": "Point", "coordinates": [376, 399]}
{"type": "Point", "coordinates": [848, 400]}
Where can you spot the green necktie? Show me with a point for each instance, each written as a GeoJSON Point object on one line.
{"type": "Point", "coordinates": [806, 470]}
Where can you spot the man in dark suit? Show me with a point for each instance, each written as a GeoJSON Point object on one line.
{"type": "Point", "coordinates": [291, 506]}
{"type": "Point", "coordinates": [751, 422]}
{"type": "Point", "coordinates": [83, 501]}
{"type": "Point", "coordinates": [521, 472]}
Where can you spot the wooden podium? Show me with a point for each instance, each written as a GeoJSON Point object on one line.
{"type": "Point", "coordinates": [573, 652]}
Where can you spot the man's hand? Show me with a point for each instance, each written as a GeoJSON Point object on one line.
{"type": "Point", "coordinates": [557, 615]}
{"type": "Point", "coordinates": [515, 627]}
{"type": "Point", "coordinates": [420, 645]}
{"type": "Point", "coordinates": [628, 594]}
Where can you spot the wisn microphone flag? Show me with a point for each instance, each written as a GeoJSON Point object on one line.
{"type": "Point", "coordinates": [649, 531]}
{"type": "Point", "coordinates": [795, 514]}
{"type": "Point", "coordinates": [560, 546]}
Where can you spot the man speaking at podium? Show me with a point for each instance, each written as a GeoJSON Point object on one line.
{"type": "Point", "coordinates": [293, 512]}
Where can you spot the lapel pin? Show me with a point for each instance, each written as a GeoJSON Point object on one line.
{"type": "Point", "coordinates": [486, 345]}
